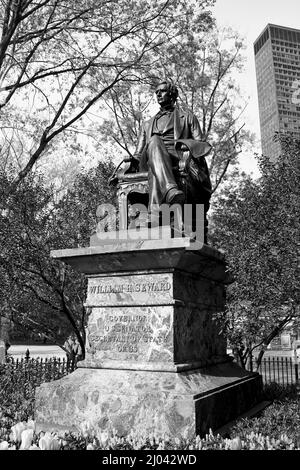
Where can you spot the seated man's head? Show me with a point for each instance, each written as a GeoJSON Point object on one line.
{"type": "Point", "coordinates": [166, 93]}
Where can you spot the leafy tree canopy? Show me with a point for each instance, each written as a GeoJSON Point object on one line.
{"type": "Point", "coordinates": [38, 293]}
{"type": "Point", "coordinates": [258, 227]}
{"type": "Point", "coordinates": [59, 58]}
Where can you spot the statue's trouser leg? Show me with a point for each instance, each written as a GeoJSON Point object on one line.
{"type": "Point", "coordinates": [161, 177]}
{"type": "Point", "coordinates": [195, 195]}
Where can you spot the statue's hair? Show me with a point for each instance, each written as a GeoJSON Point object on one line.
{"type": "Point", "coordinates": [172, 89]}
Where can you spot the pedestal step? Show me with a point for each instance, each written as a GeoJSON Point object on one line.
{"type": "Point", "coordinates": [164, 403]}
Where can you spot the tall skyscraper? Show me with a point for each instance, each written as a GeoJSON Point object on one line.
{"type": "Point", "coordinates": [277, 59]}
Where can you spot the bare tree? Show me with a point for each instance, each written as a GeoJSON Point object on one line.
{"type": "Point", "coordinates": [202, 63]}
{"type": "Point", "coordinates": [58, 58]}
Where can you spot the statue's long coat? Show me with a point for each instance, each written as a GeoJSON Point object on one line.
{"type": "Point", "coordinates": [186, 130]}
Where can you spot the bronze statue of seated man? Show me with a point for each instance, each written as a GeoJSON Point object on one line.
{"type": "Point", "coordinates": [171, 148]}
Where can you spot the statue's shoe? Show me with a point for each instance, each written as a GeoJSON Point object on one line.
{"type": "Point", "coordinates": [175, 196]}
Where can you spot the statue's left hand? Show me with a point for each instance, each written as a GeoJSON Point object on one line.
{"type": "Point", "coordinates": [134, 165]}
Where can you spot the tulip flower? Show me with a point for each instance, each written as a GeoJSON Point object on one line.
{"type": "Point", "coordinates": [236, 443]}
{"type": "Point", "coordinates": [4, 445]}
{"type": "Point", "coordinates": [34, 447]}
{"type": "Point", "coordinates": [103, 438]}
{"type": "Point", "coordinates": [49, 442]}
{"type": "Point", "coordinates": [86, 429]}
{"type": "Point", "coordinates": [16, 432]}
{"type": "Point", "coordinates": [26, 439]}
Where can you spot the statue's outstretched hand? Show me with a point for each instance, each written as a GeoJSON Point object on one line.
{"type": "Point", "coordinates": [134, 165]}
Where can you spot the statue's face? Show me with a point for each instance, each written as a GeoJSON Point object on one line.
{"type": "Point", "coordinates": [162, 94]}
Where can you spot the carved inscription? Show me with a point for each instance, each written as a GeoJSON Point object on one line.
{"type": "Point", "coordinates": [125, 288]}
{"type": "Point", "coordinates": [124, 332]}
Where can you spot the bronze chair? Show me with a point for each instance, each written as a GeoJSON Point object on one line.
{"type": "Point", "coordinates": [133, 192]}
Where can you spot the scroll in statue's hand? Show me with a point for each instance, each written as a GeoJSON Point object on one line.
{"type": "Point", "coordinates": [184, 148]}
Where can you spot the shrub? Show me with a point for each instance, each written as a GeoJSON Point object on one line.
{"type": "Point", "coordinates": [16, 394]}
{"type": "Point", "coordinates": [18, 381]}
{"type": "Point", "coordinates": [282, 417]}
{"type": "Point", "coordinates": [275, 391]}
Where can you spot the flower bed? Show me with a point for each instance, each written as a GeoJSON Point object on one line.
{"type": "Point", "coordinates": [22, 436]}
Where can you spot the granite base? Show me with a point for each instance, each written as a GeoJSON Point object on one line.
{"type": "Point", "coordinates": [147, 402]}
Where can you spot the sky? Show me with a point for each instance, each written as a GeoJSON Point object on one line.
{"type": "Point", "coordinates": [249, 18]}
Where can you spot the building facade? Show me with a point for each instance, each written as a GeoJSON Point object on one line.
{"type": "Point", "coordinates": [277, 60]}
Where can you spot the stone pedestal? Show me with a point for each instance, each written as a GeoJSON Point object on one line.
{"type": "Point", "coordinates": [155, 359]}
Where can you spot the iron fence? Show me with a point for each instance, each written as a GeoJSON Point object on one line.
{"type": "Point", "coordinates": [39, 370]}
{"type": "Point", "coordinates": [282, 370]}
